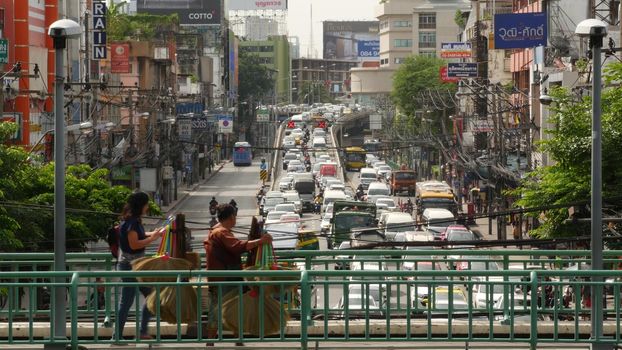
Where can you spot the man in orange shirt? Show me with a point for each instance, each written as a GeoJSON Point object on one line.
{"type": "Point", "coordinates": [224, 252]}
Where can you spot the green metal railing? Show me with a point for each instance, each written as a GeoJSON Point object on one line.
{"type": "Point", "coordinates": [377, 301]}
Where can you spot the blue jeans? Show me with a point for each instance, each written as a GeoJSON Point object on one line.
{"type": "Point", "coordinates": [128, 295]}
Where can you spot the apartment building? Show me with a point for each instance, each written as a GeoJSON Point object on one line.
{"type": "Point", "coordinates": [417, 27]}
{"type": "Point", "coordinates": [407, 27]}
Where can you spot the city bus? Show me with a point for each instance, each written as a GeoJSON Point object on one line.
{"type": "Point", "coordinates": [242, 154]}
{"type": "Point", "coordinates": [372, 146]}
{"type": "Point", "coordinates": [354, 158]}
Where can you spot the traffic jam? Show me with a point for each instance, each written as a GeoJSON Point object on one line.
{"type": "Point", "coordinates": [316, 205]}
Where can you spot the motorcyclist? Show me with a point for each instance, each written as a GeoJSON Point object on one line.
{"type": "Point", "coordinates": [360, 192]}
{"type": "Point", "coordinates": [409, 206]}
{"type": "Point", "coordinates": [234, 205]}
{"type": "Point", "coordinates": [318, 204]}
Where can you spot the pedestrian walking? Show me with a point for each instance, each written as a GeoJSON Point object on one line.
{"type": "Point", "coordinates": [210, 164]}
{"type": "Point", "coordinates": [132, 243]}
{"type": "Point", "coordinates": [224, 252]}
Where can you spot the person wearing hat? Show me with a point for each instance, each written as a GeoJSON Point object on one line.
{"type": "Point", "coordinates": [133, 240]}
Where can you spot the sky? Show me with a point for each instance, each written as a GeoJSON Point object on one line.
{"type": "Point", "coordinates": [299, 18]}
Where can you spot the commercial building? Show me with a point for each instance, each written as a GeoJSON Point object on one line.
{"type": "Point", "coordinates": [407, 27]}
{"type": "Point", "coordinates": [273, 54]}
{"type": "Point", "coordinates": [314, 79]}
{"type": "Point", "coordinates": [416, 27]}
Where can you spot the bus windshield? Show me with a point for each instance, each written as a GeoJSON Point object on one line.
{"type": "Point", "coordinates": [355, 157]}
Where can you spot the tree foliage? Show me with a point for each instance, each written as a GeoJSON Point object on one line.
{"type": "Point", "coordinates": [140, 26]}
{"type": "Point", "coordinates": [314, 92]}
{"type": "Point", "coordinates": [255, 81]}
{"type": "Point", "coordinates": [416, 74]}
{"type": "Point", "coordinates": [27, 198]}
{"type": "Point", "coordinates": [569, 145]}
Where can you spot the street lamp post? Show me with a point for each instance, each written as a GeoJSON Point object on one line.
{"type": "Point", "coordinates": [60, 31]}
{"type": "Point", "coordinates": [596, 30]}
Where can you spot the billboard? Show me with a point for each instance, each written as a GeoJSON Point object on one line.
{"type": "Point", "coordinates": [445, 78]}
{"type": "Point", "coordinates": [520, 30]}
{"type": "Point", "coordinates": [368, 48]}
{"type": "Point", "coordinates": [455, 50]}
{"type": "Point", "coordinates": [232, 62]}
{"type": "Point", "coordinates": [190, 12]}
{"type": "Point", "coordinates": [461, 70]}
{"type": "Point", "coordinates": [119, 58]}
{"type": "Point", "coordinates": [255, 5]}
{"type": "Point", "coordinates": [341, 39]}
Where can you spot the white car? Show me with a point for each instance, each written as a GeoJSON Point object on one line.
{"type": "Point", "coordinates": [358, 307]}
{"type": "Point", "coordinates": [286, 207]}
{"type": "Point", "coordinates": [289, 144]}
{"type": "Point", "coordinates": [337, 187]}
{"type": "Point", "coordinates": [286, 183]}
{"type": "Point", "coordinates": [383, 170]}
{"type": "Point", "coordinates": [388, 201]}
{"type": "Point", "coordinates": [295, 166]}
{"type": "Point", "coordinates": [378, 164]}
{"type": "Point", "coordinates": [325, 157]}
{"type": "Point", "coordinates": [290, 217]}
{"type": "Point", "coordinates": [377, 190]}
{"type": "Point", "coordinates": [293, 197]}
{"type": "Point", "coordinates": [325, 224]}
{"type": "Point", "coordinates": [274, 217]}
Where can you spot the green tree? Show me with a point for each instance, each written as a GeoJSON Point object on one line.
{"type": "Point", "coordinates": [142, 26]}
{"type": "Point", "coordinates": [569, 145]}
{"type": "Point", "coordinates": [311, 92]}
{"type": "Point", "coordinates": [255, 80]}
{"type": "Point", "coordinates": [27, 196]}
{"type": "Point", "coordinates": [416, 74]}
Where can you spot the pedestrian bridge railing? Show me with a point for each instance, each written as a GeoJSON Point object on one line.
{"type": "Point", "coordinates": [318, 304]}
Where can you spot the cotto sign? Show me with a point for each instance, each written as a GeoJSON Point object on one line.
{"type": "Point", "coordinates": [198, 13]}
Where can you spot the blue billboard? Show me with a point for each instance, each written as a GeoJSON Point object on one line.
{"type": "Point", "coordinates": [189, 107]}
{"type": "Point", "coordinates": [520, 30]}
{"type": "Point", "coordinates": [368, 48]}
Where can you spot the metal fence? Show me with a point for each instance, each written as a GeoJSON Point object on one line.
{"type": "Point", "coordinates": [386, 296]}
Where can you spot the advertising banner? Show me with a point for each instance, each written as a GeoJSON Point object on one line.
{"type": "Point", "coordinates": [256, 5]}
{"type": "Point", "coordinates": [462, 70]}
{"type": "Point", "coordinates": [369, 48]}
{"type": "Point", "coordinates": [190, 12]}
{"type": "Point", "coordinates": [455, 50]}
{"type": "Point", "coordinates": [445, 78]}
{"type": "Point", "coordinates": [520, 30]}
{"type": "Point", "coordinates": [225, 124]}
{"type": "Point", "coordinates": [341, 39]}
{"type": "Point", "coordinates": [119, 58]}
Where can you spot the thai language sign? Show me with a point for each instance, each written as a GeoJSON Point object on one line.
{"type": "Point", "coordinates": [254, 5]}
{"type": "Point", "coordinates": [461, 70]}
{"type": "Point", "coordinates": [520, 30]}
{"type": "Point", "coordinates": [368, 48]}
{"type": "Point", "coordinates": [455, 50]}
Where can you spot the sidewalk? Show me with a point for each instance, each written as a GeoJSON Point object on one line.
{"type": "Point", "coordinates": [184, 192]}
